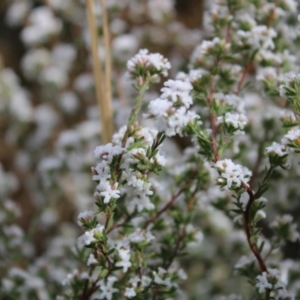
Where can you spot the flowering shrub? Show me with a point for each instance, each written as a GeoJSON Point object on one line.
{"type": "Point", "coordinates": [214, 220]}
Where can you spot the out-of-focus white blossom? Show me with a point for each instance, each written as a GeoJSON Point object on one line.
{"type": "Point", "coordinates": [42, 25]}
{"type": "Point", "coordinates": [16, 12]}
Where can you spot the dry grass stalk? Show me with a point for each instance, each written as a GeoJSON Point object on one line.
{"type": "Point", "coordinates": [104, 103]}
{"type": "Point", "coordinates": [108, 90]}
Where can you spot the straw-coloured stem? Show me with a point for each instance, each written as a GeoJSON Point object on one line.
{"type": "Point", "coordinates": [108, 91]}
{"type": "Point", "coordinates": [105, 110]}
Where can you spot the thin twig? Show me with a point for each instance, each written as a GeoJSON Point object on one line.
{"type": "Point", "coordinates": [265, 179]}
{"type": "Point", "coordinates": [170, 202]}
{"type": "Point", "coordinates": [243, 77]}
{"type": "Point", "coordinates": [259, 158]}
{"type": "Point", "coordinates": [165, 208]}
{"type": "Point", "coordinates": [116, 225]}
{"type": "Point", "coordinates": [105, 256]}
{"type": "Point", "coordinates": [251, 244]}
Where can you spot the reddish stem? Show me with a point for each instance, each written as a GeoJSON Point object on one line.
{"type": "Point", "coordinates": [170, 202]}
{"type": "Point", "coordinates": [165, 208]}
{"type": "Point", "coordinates": [176, 249]}
{"type": "Point", "coordinates": [243, 77]}
{"type": "Point", "coordinates": [252, 245]}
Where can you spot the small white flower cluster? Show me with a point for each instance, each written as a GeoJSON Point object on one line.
{"type": "Point", "coordinates": [42, 25]}
{"type": "Point", "coordinates": [170, 111]}
{"type": "Point", "coordinates": [201, 54]}
{"type": "Point", "coordinates": [105, 188]}
{"type": "Point", "coordinates": [259, 37]}
{"type": "Point", "coordinates": [28, 282]}
{"type": "Point", "coordinates": [233, 100]}
{"type": "Point", "coordinates": [158, 278]}
{"type": "Point", "coordinates": [8, 184]}
{"type": "Point", "coordinates": [292, 138]}
{"type": "Point", "coordinates": [148, 64]}
{"type": "Point", "coordinates": [160, 10]}
{"type": "Point", "coordinates": [141, 282]}
{"type": "Point", "coordinates": [276, 149]}
{"type": "Point", "coordinates": [288, 79]}
{"type": "Point", "coordinates": [14, 99]}
{"type": "Point", "coordinates": [125, 263]}
{"type": "Point", "coordinates": [272, 281]}
{"type": "Point", "coordinates": [107, 288]}
{"type": "Point", "coordinates": [85, 217]}
{"type": "Point", "coordinates": [138, 187]}
{"type": "Point", "coordinates": [232, 175]}
{"type": "Point", "coordinates": [91, 236]}
{"type": "Point", "coordinates": [16, 13]}
{"type": "Point", "coordinates": [235, 121]}
{"type": "Point", "coordinates": [289, 143]}
{"type": "Point", "coordinates": [286, 228]}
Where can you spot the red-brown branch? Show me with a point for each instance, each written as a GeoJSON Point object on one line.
{"type": "Point", "coordinates": [170, 202]}
{"type": "Point", "coordinates": [176, 249]}
{"type": "Point", "coordinates": [116, 225]}
{"type": "Point", "coordinates": [243, 77]}
{"type": "Point", "coordinates": [165, 208]}
{"type": "Point", "coordinates": [251, 244]}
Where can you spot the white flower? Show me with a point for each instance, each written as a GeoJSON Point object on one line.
{"type": "Point", "coordinates": [160, 107]}
{"type": "Point", "coordinates": [178, 92]}
{"type": "Point", "coordinates": [34, 61]}
{"type": "Point", "coordinates": [262, 283]}
{"type": "Point", "coordinates": [277, 149]}
{"type": "Point", "coordinates": [84, 217]}
{"type": "Point", "coordinates": [134, 281]}
{"type": "Point", "coordinates": [146, 280]}
{"type": "Point", "coordinates": [130, 293]}
{"type": "Point", "coordinates": [107, 289]}
{"type": "Point", "coordinates": [236, 120]}
{"type": "Point", "coordinates": [259, 37]}
{"type": "Point", "coordinates": [16, 13]}
{"type": "Point", "coordinates": [158, 9]}
{"type": "Point", "coordinates": [54, 75]}
{"type": "Point", "coordinates": [161, 160]}
{"type": "Point", "coordinates": [101, 171]}
{"type": "Point", "coordinates": [125, 259]}
{"type": "Point", "coordinates": [244, 261]}
{"type": "Point", "coordinates": [140, 185]}
{"type": "Point", "coordinates": [290, 228]}
{"type": "Point", "coordinates": [140, 235]}
{"type": "Point", "coordinates": [158, 278]}
{"type": "Point", "coordinates": [89, 236]}
{"type": "Point", "coordinates": [234, 174]}
{"type": "Point", "coordinates": [69, 277]}
{"type": "Point", "coordinates": [63, 55]}
{"type": "Point", "coordinates": [140, 202]}
{"type": "Point", "coordinates": [154, 63]}
{"type": "Point", "coordinates": [202, 51]}
{"type": "Point", "coordinates": [108, 151]}
{"type": "Point", "coordinates": [105, 190]}
{"type": "Point", "coordinates": [292, 135]}
{"type": "Point", "coordinates": [42, 24]}
{"type": "Point", "coordinates": [91, 260]}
